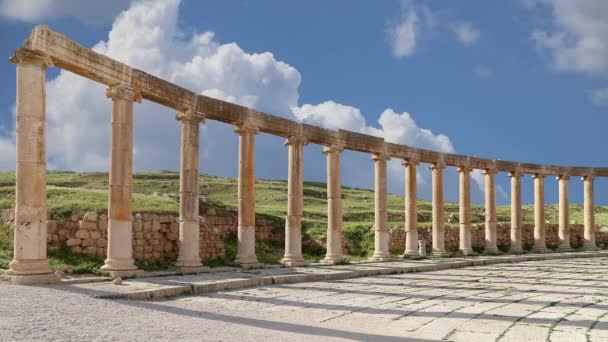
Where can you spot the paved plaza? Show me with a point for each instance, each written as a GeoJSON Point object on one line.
{"type": "Point", "coordinates": [551, 300]}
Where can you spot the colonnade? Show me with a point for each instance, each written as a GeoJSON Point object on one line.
{"type": "Point", "coordinates": [30, 264]}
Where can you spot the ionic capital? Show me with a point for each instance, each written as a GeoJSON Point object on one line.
{"type": "Point", "coordinates": [328, 149]}
{"type": "Point", "coordinates": [32, 57]}
{"type": "Point", "coordinates": [190, 116]}
{"type": "Point", "coordinates": [380, 156]}
{"type": "Point", "coordinates": [490, 172]}
{"type": "Point", "coordinates": [246, 128]}
{"type": "Point", "coordinates": [410, 162]}
{"type": "Point", "coordinates": [296, 140]}
{"type": "Point", "coordinates": [563, 177]}
{"type": "Point", "coordinates": [538, 176]}
{"type": "Point", "coordinates": [464, 169]}
{"type": "Point", "coordinates": [515, 174]}
{"type": "Point", "coordinates": [588, 178]}
{"type": "Point", "coordinates": [122, 92]}
{"type": "Point", "coordinates": [437, 166]}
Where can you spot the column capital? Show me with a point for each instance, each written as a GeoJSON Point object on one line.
{"type": "Point", "coordinates": [27, 56]}
{"type": "Point", "coordinates": [332, 149]}
{"type": "Point", "coordinates": [122, 92]}
{"type": "Point", "coordinates": [588, 178]}
{"type": "Point", "coordinates": [410, 162]}
{"type": "Point", "coordinates": [244, 128]}
{"type": "Point", "coordinates": [539, 175]}
{"type": "Point", "coordinates": [515, 174]}
{"type": "Point", "coordinates": [563, 177]}
{"type": "Point", "coordinates": [190, 116]}
{"type": "Point", "coordinates": [380, 156]}
{"type": "Point", "coordinates": [296, 140]}
{"type": "Point", "coordinates": [437, 166]}
{"type": "Point", "coordinates": [464, 169]}
{"type": "Point", "coordinates": [490, 172]}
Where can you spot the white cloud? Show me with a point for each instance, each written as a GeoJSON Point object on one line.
{"type": "Point", "coordinates": [94, 12]}
{"type": "Point", "coordinates": [600, 96]}
{"type": "Point", "coordinates": [577, 39]}
{"type": "Point", "coordinates": [466, 33]}
{"type": "Point", "coordinates": [402, 35]}
{"type": "Point", "coordinates": [483, 71]}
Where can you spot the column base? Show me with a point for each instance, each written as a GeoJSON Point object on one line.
{"type": "Point", "coordinates": [241, 260]}
{"type": "Point", "coordinates": [293, 261]}
{"type": "Point", "coordinates": [467, 251]}
{"type": "Point", "coordinates": [188, 262]}
{"type": "Point", "coordinates": [589, 247]}
{"type": "Point", "coordinates": [334, 261]}
{"type": "Point", "coordinates": [410, 254]}
{"type": "Point", "coordinates": [564, 249]}
{"type": "Point", "coordinates": [123, 268]}
{"type": "Point", "coordinates": [516, 251]}
{"type": "Point", "coordinates": [439, 252]}
{"type": "Point", "coordinates": [493, 251]}
{"type": "Point", "coordinates": [380, 259]}
{"type": "Point", "coordinates": [33, 279]}
{"type": "Point", "coordinates": [539, 250]}
{"type": "Point", "coordinates": [193, 269]}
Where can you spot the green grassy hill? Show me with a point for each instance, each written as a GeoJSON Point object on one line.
{"type": "Point", "coordinates": [70, 192]}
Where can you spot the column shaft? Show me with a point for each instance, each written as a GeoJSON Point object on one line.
{"type": "Point", "coordinates": [30, 264]}
{"type": "Point", "coordinates": [295, 194]}
{"type": "Point", "coordinates": [516, 213]}
{"type": "Point", "coordinates": [119, 261]}
{"type": "Point", "coordinates": [437, 202]}
{"type": "Point", "coordinates": [490, 215]}
{"type": "Point", "coordinates": [589, 214]}
{"type": "Point", "coordinates": [411, 212]}
{"type": "Point", "coordinates": [539, 214]}
{"type": "Point", "coordinates": [564, 215]}
{"type": "Point", "coordinates": [189, 259]}
{"type": "Point", "coordinates": [381, 250]}
{"type": "Point", "coordinates": [246, 196]}
{"type": "Point", "coordinates": [465, 210]}
{"type": "Point", "coordinates": [334, 206]}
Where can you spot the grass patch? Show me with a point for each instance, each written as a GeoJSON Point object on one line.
{"type": "Point", "coordinates": [78, 263]}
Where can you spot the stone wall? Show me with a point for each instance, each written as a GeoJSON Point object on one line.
{"type": "Point", "coordinates": [397, 236]}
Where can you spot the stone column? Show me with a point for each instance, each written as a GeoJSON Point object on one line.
{"type": "Point", "coordinates": [516, 213]}
{"type": "Point", "coordinates": [246, 195]}
{"type": "Point", "coordinates": [465, 210]}
{"type": "Point", "coordinates": [119, 261]}
{"type": "Point", "coordinates": [30, 264]}
{"type": "Point", "coordinates": [490, 215]}
{"type": "Point", "coordinates": [564, 215]}
{"type": "Point", "coordinates": [438, 224]}
{"type": "Point", "coordinates": [381, 252]}
{"type": "Point", "coordinates": [539, 214]}
{"type": "Point", "coordinates": [295, 194]}
{"type": "Point", "coordinates": [334, 206]}
{"type": "Point", "coordinates": [411, 210]}
{"type": "Point", "coordinates": [189, 260]}
{"type": "Point", "coordinates": [589, 215]}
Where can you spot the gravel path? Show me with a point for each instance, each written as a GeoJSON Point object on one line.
{"type": "Point", "coordinates": [559, 300]}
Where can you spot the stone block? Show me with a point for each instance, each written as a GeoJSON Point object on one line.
{"type": "Point", "coordinates": [102, 242]}
{"type": "Point", "coordinates": [155, 226]}
{"type": "Point", "coordinates": [147, 227]}
{"type": "Point", "coordinates": [102, 225]}
{"type": "Point", "coordinates": [138, 249]}
{"type": "Point", "coordinates": [164, 219]}
{"type": "Point", "coordinates": [76, 249]}
{"type": "Point", "coordinates": [138, 226]}
{"type": "Point", "coordinates": [139, 235]}
{"type": "Point", "coordinates": [87, 225]}
{"type": "Point", "coordinates": [83, 234]}
{"type": "Point", "coordinates": [73, 242]}
{"type": "Point", "coordinates": [172, 236]}
{"type": "Point", "coordinates": [101, 252]}
{"type": "Point", "coordinates": [95, 235]}
{"type": "Point", "coordinates": [91, 216]}
{"type": "Point", "coordinates": [90, 250]}
{"type": "Point", "coordinates": [174, 227]}
{"type": "Point", "coordinates": [88, 242]}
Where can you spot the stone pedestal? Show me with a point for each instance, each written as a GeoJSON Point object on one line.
{"type": "Point", "coordinates": [334, 207]}
{"type": "Point", "coordinates": [189, 260]}
{"type": "Point", "coordinates": [490, 215]}
{"type": "Point", "coordinates": [564, 215]}
{"type": "Point", "coordinates": [246, 196]}
{"type": "Point", "coordinates": [119, 261]}
{"type": "Point", "coordinates": [295, 195]}
{"type": "Point", "coordinates": [465, 210]}
{"type": "Point", "coordinates": [437, 202]}
{"type": "Point", "coordinates": [411, 212]}
{"type": "Point", "coordinates": [381, 235]}
{"type": "Point", "coordinates": [516, 213]}
{"type": "Point", "coordinates": [30, 265]}
{"type": "Point", "coordinates": [589, 215]}
{"type": "Point", "coordinates": [539, 214]}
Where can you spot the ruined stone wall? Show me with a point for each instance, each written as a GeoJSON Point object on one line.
{"type": "Point", "coordinates": [397, 236]}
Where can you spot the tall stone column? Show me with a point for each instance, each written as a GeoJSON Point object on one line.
{"type": "Point", "coordinates": [119, 261]}
{"type": "Point", "coordinates": [30, 264]}
{"type": "Point", "coordinates": [411, 210]}
{"type": "Point", "coordinates": [564, 215]}
{"type": "Point", "coordinates": [437, 202]}
{"type": "Point", "coordinates": [490, 215]}
{"type": "Point", "coordinates": [295, 194]}
{"type": "Point", "coordinates": [465, 210]}
{"type": "Point", "coordinates": [540, 245]}
{"type": "Point", "coordinates": [589, 215]}
{"type": "Point", "coordinates": [334, 206]}
{"type": "Point", "coordinates": [189, 260]}
{"type": "Point", "coordinates": [516, 213]}
{"type": "Point", "coordinates": [381, 252]}
{"type": "Point", "coordinates": [246, 227]}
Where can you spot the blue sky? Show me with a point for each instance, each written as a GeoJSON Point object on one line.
{"type": "Point", "coordinates": [512, 80]}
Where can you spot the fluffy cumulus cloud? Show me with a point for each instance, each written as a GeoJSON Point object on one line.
{"type": "Point", "coordinates": [577, 36]}
{"type": "Point", "coordinates": [402, 34]}
{"type": "Point", "coordinates": [94, 12]}
{"type": "Point", "coordinates": [466, 33]}
{"type": "Point", "coordinates": [147, 36]}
